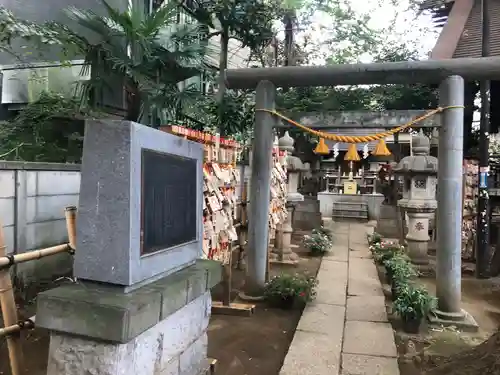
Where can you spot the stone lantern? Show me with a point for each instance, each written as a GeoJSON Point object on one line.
{"type": "Point", "coordinates": [282, 251]}
{"type": "Point", "coordinates": [434, 142]}
{"type": "Point", "coordinates": [419, 174]}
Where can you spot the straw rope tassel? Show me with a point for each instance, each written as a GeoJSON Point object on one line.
{"type": "Point", "coordinates": [352, 153]}
{"type": "Point", "coordinates": [381, 149]}
{"type": "Point", "coordinates": [322, 148]}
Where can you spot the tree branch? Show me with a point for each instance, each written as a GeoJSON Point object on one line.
{"type": "Point", "coordinates": [215, 33]}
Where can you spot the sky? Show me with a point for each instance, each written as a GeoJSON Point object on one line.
{"type": "Point", "coordinates": [408, 27]}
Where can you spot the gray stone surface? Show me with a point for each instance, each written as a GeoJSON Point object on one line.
{"type": "Point", "coordinates": [364, 287]}
{"type": "Point", "coordinates": [366, 309]}
{"type": "Point", "coordinates": [312, 354]}
{"type": "Point", "coordinates": [333, 293]}
{"type": "Point", "coordinates": [337, 253]}
{"type": "Point", "coordinates": [369, 338]}
{"type": "Point", "coordinates": [332, 324]}
{"type": "Point", "coordinates": [175, 346]}
{"type": "Point", "coordinates": [109, 214]}
{"type": "Point", "coordinates": [368, 365]}
{"type": "Point", "coordinates": [322, 318]}
{"type": "Point", "coordinates": [360, 268]}
{"type": "Point", "coordinates": [360, 251]}
{"type": "Point", "coordinates": [340, 228]}
{"type": "Point", "coordinates": [340, 239]}
{"type": "Point", "coordinates": [104, 313]}
{"type": "Point", "coordinates": [332, 283]}
{"type": "Point", "coordinates": [335, 270]}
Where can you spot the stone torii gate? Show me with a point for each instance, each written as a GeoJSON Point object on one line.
{"type": "Point", "coordinates": [449, 73]}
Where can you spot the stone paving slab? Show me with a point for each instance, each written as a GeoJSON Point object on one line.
{"type": "Point", "coordinates": [340, 239]}
{"type": "Point", "coordinates": [313, 354]}
{"type": "Point", "coordinates": [368, 365]}
{"type": "Point", "coordinates": [362, 268]}
{"type": "Point", "coordinates": [366, 309]}
{"type": "Point", "coordinates": [324, 319]}
{"type": "Point", "coordinates": [348, 319]}
{"type": "Point", "coordinates": [338, 253]}
{"type": "Point", "coordinates": [334, 270]}
{"type": "Point", "coordinates": [369, 338]}
{"type": "Point", "coordinates": [359, 239]}
{"type": "Point", "coordinates": [340, 227]}
{"type": "Point", "coordinates": [332, 293]}
{"type": "Point", "coordinates": [364, 287]}
{"type": "Point", "coordinates": [360, 251]}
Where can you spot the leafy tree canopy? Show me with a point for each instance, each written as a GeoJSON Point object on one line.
{"type": "Point", "coordinates": [150, 54]}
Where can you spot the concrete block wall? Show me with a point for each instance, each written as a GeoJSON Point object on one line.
{"type": "Point", "coordinates": [32, 201]}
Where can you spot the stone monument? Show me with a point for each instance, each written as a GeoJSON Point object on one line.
{"type": "Point", "coordinates": [141, 303]}
{"type": "Point", "coordinates": [419, 197]}
{"type": "Point", "coordinates": [283, 253]}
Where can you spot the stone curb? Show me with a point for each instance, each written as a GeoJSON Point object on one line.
{"type": "Point", "coordinates": [105, 313]}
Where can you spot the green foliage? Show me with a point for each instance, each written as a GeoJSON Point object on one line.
{"type": "Point", "coordinates": [236, 118]}
{"type": "Point", "coordinates": [317, 243]}
{"type": "Point", "coordinates": [47, 130]}
{"type": "Point", "coordinates": [413, 302]}
{"type": "Point", "coordinates": [375, 239]}
{"type": "Point", "coordinates": [400, 269]}
{"type": "Point", "coordinates": [322, 231]}
{"type": "Point", "coordinates": [149, 54]}
{"type": "Point", "coordinates": [286, 287]}
{"type": "Point", "coordinates": [383, 251]}
{"type": "Point", "coordinates": [249, 21]}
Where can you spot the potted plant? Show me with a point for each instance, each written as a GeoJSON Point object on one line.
{"type": "Point", "coordinates": [412, 305]}
{"type": "Point", "coordinates": [399, 268]}
{"type": "Point", "coordinates": [285, 290]}
{"type": "Point", "coordinates": [374, 239]}
{"type": "Point", "coordinates": [324, 231]}
{"type": "Point", "coordinates": [385, 250]}
{"type": "Point", "coordinates": [317, 243]}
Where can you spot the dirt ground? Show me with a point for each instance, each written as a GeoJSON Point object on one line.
{"type": "Point", "coordinates": [421, 353]}
{"type": "Point", "coordinates": [253, 345]}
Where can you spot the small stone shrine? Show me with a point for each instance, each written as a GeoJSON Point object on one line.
{"type": "Point", "coordinates": [141, 303]}
{"type": "Point", "coordinates": [419, 197]}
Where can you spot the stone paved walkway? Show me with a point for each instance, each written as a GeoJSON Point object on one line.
{"type": "Point", "coordinates": [346, 330]}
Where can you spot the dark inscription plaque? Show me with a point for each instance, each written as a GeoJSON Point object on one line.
{"type": "Point", "coordinates": [168, 207]}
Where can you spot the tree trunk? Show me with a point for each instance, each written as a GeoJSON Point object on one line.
{"type": "Point", "coordinates": [288, 23]}
{"type": "Point", "coordinates": [224, 45]}
{"type": "Point", "coordinates": [133, 102]}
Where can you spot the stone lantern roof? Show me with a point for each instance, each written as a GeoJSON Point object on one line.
{"type": "Point", "coordinates": [420, 162]}
{"type": "Point", "coordinates": [293, 163]}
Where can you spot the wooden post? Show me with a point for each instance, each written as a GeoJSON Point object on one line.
{"type": "Point", "coordinates": [227, 278]}
{"type": "Point", "coordinates": [70, 213]}
{"type": "Point", "coordinates": [9, 312]}
{"type": "Point", "coordinates": [226, 307]}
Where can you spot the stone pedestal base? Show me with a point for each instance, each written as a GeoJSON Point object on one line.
{"type": "Point", "coordinates": [462, 321]}
{"type": "Point", "coordinates": [177, 345]}
{"type": "Point", "coordinates": [417, 251]}
{"type": "Point", "coordinates": [418, 236]}
{"type": "Point", "coordinates": [282, 253]}
{"type": "Point", "coordinates": [156, 329]}
{"type": "Point", "coordinates": [285, 258]}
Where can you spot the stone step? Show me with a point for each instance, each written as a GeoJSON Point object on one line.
{"type": "Point", "coordinates": [349, 214]}
{"type": "Point", "coordinates": [350, 207]}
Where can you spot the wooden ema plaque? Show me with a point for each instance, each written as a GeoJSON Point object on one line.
{"type": "Point", "coordinates": [168, 202]}
{"type": "Point", "coordinates": [350, 187]}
